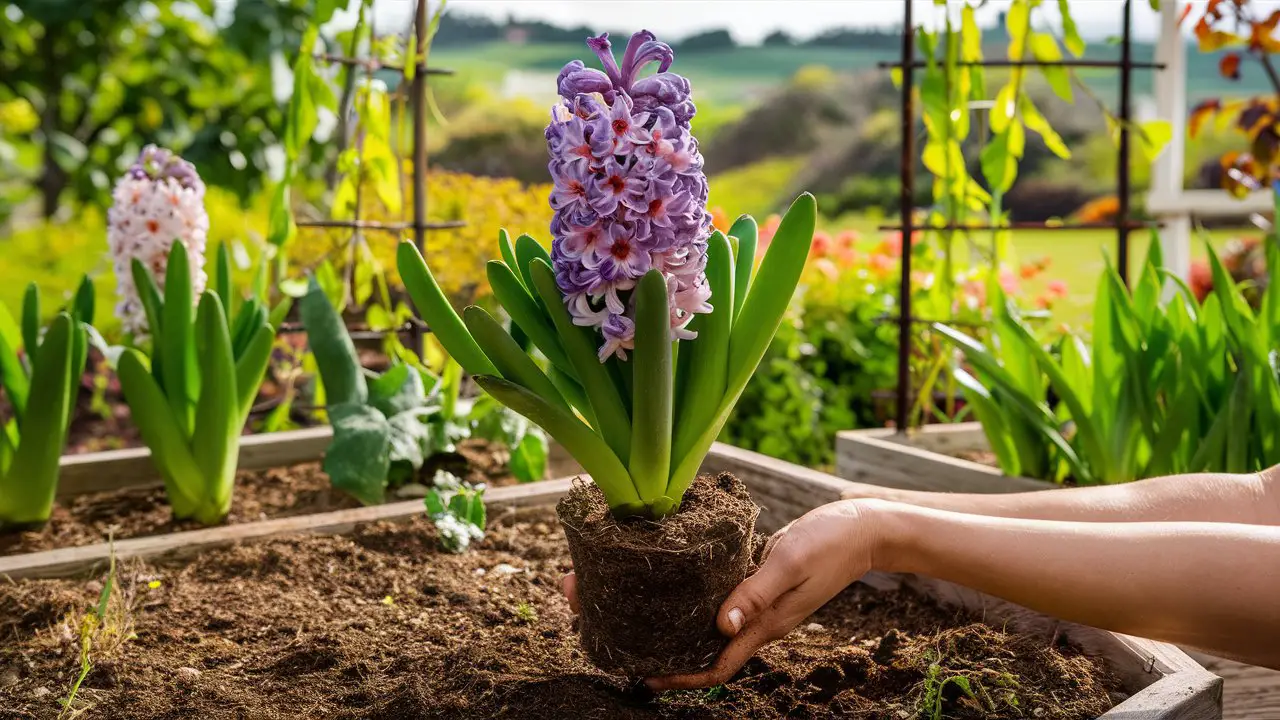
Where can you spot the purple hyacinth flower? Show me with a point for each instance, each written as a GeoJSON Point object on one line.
{"type": "Point", "coordinates": [629, 190]}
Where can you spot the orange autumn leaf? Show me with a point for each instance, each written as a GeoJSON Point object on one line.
{"type": "Point", "coordinates": [1262, 34]}
{"type": "Point", "coordinates": [1214, 40]}
{"type": "Point", "coordinates": [1229, 66]}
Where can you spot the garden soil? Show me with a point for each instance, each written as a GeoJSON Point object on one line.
{"type": "Point", "coordinates": [380, 624]}
{"type": "Point", "coordinates": [650, 591]}
{"type": "Point", "coordinates": [259, 495]}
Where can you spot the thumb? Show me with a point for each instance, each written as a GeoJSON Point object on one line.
{"type": "Point", "coordinates": [756, 594]}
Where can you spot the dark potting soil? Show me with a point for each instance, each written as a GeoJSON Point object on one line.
{"type": "Point", "coordinates": [259, 495]}
{"type": "Point", "coordinates": [692, 560]}
{"type": "Point", "coordinates": [379, 624]}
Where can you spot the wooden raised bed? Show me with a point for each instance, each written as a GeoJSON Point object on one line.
{"type": "Point", "coordinates": [924, 460]}
{"type": "Point", "coordinates": [1162, 682]}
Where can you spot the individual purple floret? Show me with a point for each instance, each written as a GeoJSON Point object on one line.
{"type": "Point", "coordinates": [629, 192]}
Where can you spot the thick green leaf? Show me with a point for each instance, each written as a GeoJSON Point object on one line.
{"type": "Point", "coordinates": [1045, 49]}
{"type": "Point", "coordinates": [439, 314]}
{"type": "Point", "coordinates": [528, 250]}
{"type": "Point", "coordinates": [83, 304]}
{"type": "Point", "coordinates": [651, 400]}
{"type": "Point", "coordinates": [583, 444]}
{"type": "Point", "coordinates": [507, 249]}
{"type": "Point", "coordinates": [580, 345]}
{"type": "Point", "coordinates": [170, 450]}
{"type": "Point", "coordinates": [175, 348]}
{"type": "Point", "coordinates": [511, 361]}
{"type": "Point", "coordinates": [222, 278]}
{"type": "Point", "coordinates": [991, 417]}
{"type": "Point", "coordinates": [747, 233]}
{"type": "Point", "coordinates": [28, 488]}
{"type": "Point", "coordinates": [528, 314]}
{"type": "Point", "coordinates": [705, 359]}
{"type": "Point", "coordinates": [31, 320]}
{"type": "Point", "coordinates": [251, 367]}
{"type": "Point", "coordinates": [770, 294]}
{"type": "Point", "coordinates": [215, 440]}
{"type": "Point", "coordinates": [149, 293]}
{"type": "Point", "coordinates": [359, 458]}
{"type": "Point", "coordinates": [1071, 35]}
{"type": "Point", "coordinates": [334, 352]}
{"type": "Point", "coordinates": [13, 375]}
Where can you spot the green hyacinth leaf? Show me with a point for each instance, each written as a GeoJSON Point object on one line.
{"type": "Point", "coordinates": [215, 441]}
{"type": "Point", "coordinates": [652, 388]}
{"type": "Point", "coordinates": [439, 314]}
{"type": "Point", "coordinates": [159, 429]}
{"type": "Point", "coordinates": [528, 314]}
{"type": "Point", "coordinates": [176, 351]}
{"type": "Point", "coordinates": [747, 233]}
{"type": "Point", "coordinates": [512, 362]}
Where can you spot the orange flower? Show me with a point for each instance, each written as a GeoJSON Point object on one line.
{"type": "Point", "coordinates": [1057, 288]}
{"type": "Point", "coordinates": [821, 246]}
{"type": "Point", "coordinates": [720, 219]}
{"type": "Point", "coordinates": [881, 264]}
{"type": "Point", "coordinates": [1028, 271]}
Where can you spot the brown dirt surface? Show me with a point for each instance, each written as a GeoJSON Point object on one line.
{"type": "Point", "coordinates": [379, 624]}
{"type": "Point", "coordinates": [259, 495]}
{"type": "Point", "coordinates": [692, 560]}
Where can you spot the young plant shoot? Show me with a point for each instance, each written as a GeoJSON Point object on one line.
{"type": "Point", "coordinates": [191, 398]}
{"type": "Point", "coordinates": [40, 384]}
{"type": "Point", "coordinates": [651, 323]}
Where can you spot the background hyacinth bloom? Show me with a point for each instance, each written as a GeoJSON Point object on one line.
{"type": "Point", "coordinates": [159, 200]}
{"type": "Point", "coordinates": [630, 193]}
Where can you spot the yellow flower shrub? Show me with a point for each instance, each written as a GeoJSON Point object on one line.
{"type": "Point", "coordinates": [457, 256]}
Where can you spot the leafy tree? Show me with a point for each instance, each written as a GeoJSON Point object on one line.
{"type": "Point", "coordinates": [108, 76]}
{"type": "Point", "coordinates": [707, 41]}
{"type": "Point", "coordinates": [778, 38]}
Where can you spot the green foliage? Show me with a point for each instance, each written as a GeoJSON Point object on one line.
{"type": "Point", "coordinates": [1167, 385]}
{"type": "Point", "coordinates": [626, 422]}
{"type": "Point", "coordinates": [386, 426]}
{"type": "Point", "coordinates": [112, 75]}
{"type": "Point", "coordinates": [41, 384]}
{"type": "Point", "coordinates": [458, 511]}
{"type": "Point", "coordinates": [190, 399]}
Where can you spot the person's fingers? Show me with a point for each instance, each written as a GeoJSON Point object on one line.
{"type": "Point", "coordinates": [735, 655]}
{"type": "Point", "coordinates": [569, 585]}
{"type": "Point", "coordinates": [754, 595]}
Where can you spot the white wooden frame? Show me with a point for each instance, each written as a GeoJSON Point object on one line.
{"type": "Point", "coordinates": [1168, 201]}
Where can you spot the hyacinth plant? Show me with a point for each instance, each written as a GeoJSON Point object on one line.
{"type": "Point", "coordinates": [650, 322]}
{"type": "Point", "coordinates": [190, 400]}
{"type": "Point", "coordinates": [158, 201]}
{"type": "Point", "coordinates": [39, 375]}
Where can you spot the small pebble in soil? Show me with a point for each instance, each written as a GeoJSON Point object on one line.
{"type": "Point", "coordinates": [478, 571]}
{"type": "Point", "coordinates": [41, 692]}
{"type": "Point", "coordinates": [188, 674]}
{"type": "Point", "coordinates": [814, 627]}
{"type": "Point", "coordinates": [505, 569]}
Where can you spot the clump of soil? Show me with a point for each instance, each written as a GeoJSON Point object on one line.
{"type": "Point", "coordinates": [633, 575]}
{"type": "Point", "coordinates": [381, 624]}
{"type": "Point", "coordinates": [259, 495]}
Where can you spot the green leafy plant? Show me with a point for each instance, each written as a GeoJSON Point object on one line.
{"type": "Point", "coordinates": [1167, 385]}
{"type": "Point", "coordinates": [40, 384]}
{"type": "Point", "coordinates": [639, 427]}
{"type": "Point", "coordinates": [386, 426]}
{"type": "Point", "coordinates": [191, 398]}
{"type": "Point", "coordinates": [457, 509]}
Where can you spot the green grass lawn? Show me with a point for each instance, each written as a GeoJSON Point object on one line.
{"type": "Point", "coordinates": [1076, 257]}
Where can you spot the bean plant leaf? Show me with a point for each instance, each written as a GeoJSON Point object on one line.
{"type": "Point", "coordinates": [398, 390]}
{"type": "Point", "coordinates": [529, 458]}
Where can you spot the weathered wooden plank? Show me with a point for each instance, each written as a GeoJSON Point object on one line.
{"type": "Point", "coordinates": [871, 457]}
{"type": "Point", "coordinates": [132, 468]}
{"type": "Point", "coordinates": [119, 469]}
{"type": "Point", "coordinates": [1188, 695]}
{"type": "Point", "coordinates": [70, 561]}
{"type": "Point", "coordinates": [1248, 691]}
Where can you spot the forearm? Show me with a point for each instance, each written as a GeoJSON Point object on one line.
{"type": "Point", "coordinates": [1251, 499]}
{"type": "Point", "coordinates": [1209, 585]}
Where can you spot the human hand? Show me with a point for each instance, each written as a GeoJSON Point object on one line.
{"type": "Point", "coordinates": [805, 564]}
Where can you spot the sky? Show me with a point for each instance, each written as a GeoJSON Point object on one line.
{"type": "Point", "coordinates": [750, 20]}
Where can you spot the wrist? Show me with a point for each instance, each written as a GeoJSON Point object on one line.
{"type": "Point", "coordinates": [885, 530]}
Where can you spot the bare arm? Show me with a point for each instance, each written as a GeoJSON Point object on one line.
{"type": "Point", "coordinates": [1250, 499]}
{"type": "Point", "coordinates": [1210, 585]}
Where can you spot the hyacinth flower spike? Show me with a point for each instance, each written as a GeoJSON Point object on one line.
{"type": "Point", "coordinates": [650, 322]}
